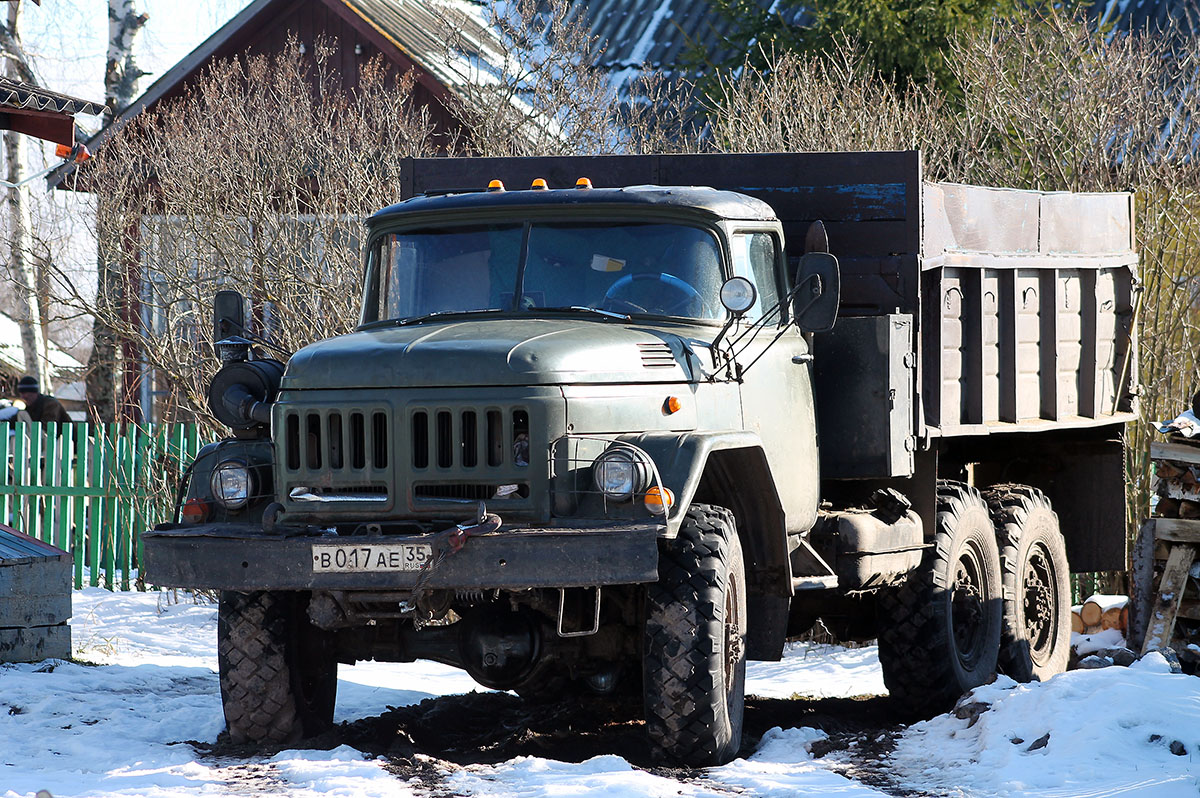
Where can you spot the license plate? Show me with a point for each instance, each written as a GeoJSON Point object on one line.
{"type": "Point", "coordinates": [370, 557]}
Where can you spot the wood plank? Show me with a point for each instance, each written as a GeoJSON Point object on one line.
{"type": "Point", "coordinates": [1180, 530]}
{"type": "Point", "coordinates": [28, 610]}
{"type": "Point", "coordinates": [35, 644]}
{"type": "Point", "coordinates": [38, 577]}
{"type": "Point", "coordinates": [1170, 594]}
{"type": "Point", "coordinates": [1175, 452]}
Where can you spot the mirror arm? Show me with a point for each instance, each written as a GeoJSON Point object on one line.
{"type": "Point", "coordinates": [741, 372]}
{"type": "Point", "coordinates": [791, 295]}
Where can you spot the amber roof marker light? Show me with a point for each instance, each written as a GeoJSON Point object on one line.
{"type": "Point", "coordinates": [583, 182]}
{"type": "Point", "coordinates": [496, 185]}
{"type": "Point", "coordinates": [539, 184]}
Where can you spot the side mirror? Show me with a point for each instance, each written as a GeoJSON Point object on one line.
{"type": "Point", "coordinates": [817, 293]}
{"type": "Point", "coordinates": [229, 315]}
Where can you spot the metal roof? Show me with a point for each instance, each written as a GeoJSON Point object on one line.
{"type": "Point", "coordinates": [415, 27]}
{"type": "Point", "coordinates": [723, 204]}
{"type": "Point", "coordinates": [16, 546]}
{"type": "Point", "coordinates": [654, 32]}
{"type": "Point", "coordinates": [15, 94]}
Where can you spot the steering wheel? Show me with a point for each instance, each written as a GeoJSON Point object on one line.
{"type": "Point", "coordinates": [670, 295]}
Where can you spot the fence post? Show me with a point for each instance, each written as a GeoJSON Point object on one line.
{"type": "Point", "coordinates": [80, 501]}
{"type": "Point", "coordinates": [7, 480]}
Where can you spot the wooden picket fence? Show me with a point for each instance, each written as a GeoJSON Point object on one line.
{"type": "Point", "coordinates": [91, 489]}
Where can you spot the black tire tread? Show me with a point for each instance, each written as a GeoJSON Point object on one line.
{"type": "Point", "coordinates": [683, 687]}
{"type": "Point", "coordinates": [1011, 507]}
{"type": "Point", "coordinates": [259, 680]}
{"type": "Point", "coordinates": [913, 642]}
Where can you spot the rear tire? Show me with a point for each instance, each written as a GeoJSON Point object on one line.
{"type": "Point", "coordinates": [278, 672]}
{"type": "Point", "coordinates": [694, 655]}
{"type": "Point", "coordinates": [1035, 641]}
{"type": "Point", "coordinates": [939, 632]}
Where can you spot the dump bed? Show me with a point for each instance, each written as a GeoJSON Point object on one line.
{"type": "Point", "coordinates": [965, 310]}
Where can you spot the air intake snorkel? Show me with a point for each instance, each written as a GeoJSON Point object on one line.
{"type": "Point", "coordinates": [241, 393]}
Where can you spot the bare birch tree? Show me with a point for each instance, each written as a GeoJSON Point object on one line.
{"type": "Point", "coordinates": [33, 334]}
{"type": "Point", "coordinates": [121, 75]}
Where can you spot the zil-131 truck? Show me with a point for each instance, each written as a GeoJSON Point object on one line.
{"type": "Point", "coordinates": [601, 429]}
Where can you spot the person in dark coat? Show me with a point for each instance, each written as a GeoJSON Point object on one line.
{"type": "Point", "coordinates": [40, 406]}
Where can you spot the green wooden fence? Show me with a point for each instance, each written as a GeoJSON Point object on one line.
{"type": "Point", "coordinates": [90, 489]}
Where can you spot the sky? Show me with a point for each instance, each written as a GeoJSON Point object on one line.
{"type": "Point", "coordinates": [68, 39]}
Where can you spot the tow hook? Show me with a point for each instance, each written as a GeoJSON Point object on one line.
{"type": "Point", "coordinates": [447, 542]}
{"type": "Point", "coordinates": [456, 536]}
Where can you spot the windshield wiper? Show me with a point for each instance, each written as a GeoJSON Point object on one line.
{"type": "Point", "coordinates": [608, 314]}
{"type": "Point", "coordinates": [437, 313]}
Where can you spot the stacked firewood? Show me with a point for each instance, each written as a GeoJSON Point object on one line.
{"type": "Point", "coordinates": [1178, 490]}
{"type": "Point", "coordinates": [1101, 613]}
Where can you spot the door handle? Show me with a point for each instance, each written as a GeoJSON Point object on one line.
{"type": "Point", "coordinates": [805, 358]}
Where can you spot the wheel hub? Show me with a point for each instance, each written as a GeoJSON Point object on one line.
{"type": "Point", "coordinates": [1038, 602]}
{"type": "Point", "coordinates": [967, 610]}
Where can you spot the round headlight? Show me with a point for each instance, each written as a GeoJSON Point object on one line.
{"type": "Point", "coordinates": [232, 484]}
{"type": "Point", "coordinates": [738, 295]}
{"type": "Point", "coordinates": [621, 473]}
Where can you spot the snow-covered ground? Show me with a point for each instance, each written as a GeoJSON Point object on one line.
{"type": "Point", "coordinates": [122, 727]}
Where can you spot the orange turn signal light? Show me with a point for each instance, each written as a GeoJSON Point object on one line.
{"type": "Point", "coordinates": [672, 405]}
{"type": "Point", "coordinates": [583, 182]}
{"type": "Point", "coordinates": [496, 185]}
{"type": "Point", "coordinates": [195, 511]}
{"type": "Point", "coordinates": [659, 501]}
{"type": "Point", "coordinates": [540, 184]}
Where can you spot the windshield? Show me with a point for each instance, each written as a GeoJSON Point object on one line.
{"type": "Point", "coordinates": [627, 268]}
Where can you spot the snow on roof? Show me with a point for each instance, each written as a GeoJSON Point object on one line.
{"type": "Point", "coordinates": [15, 94]}
{"type": "Point", "coordinates": [12, 356]}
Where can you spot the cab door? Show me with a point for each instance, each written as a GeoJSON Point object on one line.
{"type": "Point", "coordinates": [776, 391]}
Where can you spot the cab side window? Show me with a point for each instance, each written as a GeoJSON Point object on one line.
{"type": "Point", "coordinates": [754, 257]}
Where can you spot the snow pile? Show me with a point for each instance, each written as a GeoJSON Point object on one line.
{"type": "Point", "coordinates": [781, 767]}
{"type": "Point", "coordinates": [1090, 644]}
{"type": "Point", "coordinates": [1127, 731]}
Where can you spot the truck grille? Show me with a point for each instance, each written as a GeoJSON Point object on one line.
{"type": "Point", "coordinates": [378, 460]}
{"type": "Point", "coordinates": [468, 439]}
{"type": "Point", "coordinates": [336, 440]}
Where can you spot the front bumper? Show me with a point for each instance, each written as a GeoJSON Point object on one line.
{"type": "Point", "coordinates": [244, 557]}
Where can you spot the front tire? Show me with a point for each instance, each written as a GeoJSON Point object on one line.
{"type": "Point", "coordinates": [939, 632]}
{"type": "Point", "coordinates": [1035, 641]}
{"type": "Point", "coordinates": [278, 672]}
{"type": "Point", "coordinates": [694, 655]}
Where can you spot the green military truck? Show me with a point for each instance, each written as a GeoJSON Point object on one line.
{"type": "Point", "coordinates": [630, 436]}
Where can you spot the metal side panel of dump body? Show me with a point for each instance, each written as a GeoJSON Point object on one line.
{"type": "Point", "coordinates": [1028, 309]}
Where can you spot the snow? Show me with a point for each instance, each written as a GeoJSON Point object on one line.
{"type": "Point", "coordinates": [1110, 732]}
{"type": "Point", "coordinates": [117, 722]}
{"type": "Point", "coordinates": [1106, 601]}
{"type": "Point", "coordinates": [1090, 644]}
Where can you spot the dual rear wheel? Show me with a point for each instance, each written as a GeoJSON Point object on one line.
{"type": "Point", "coordinates": [991, 594]}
